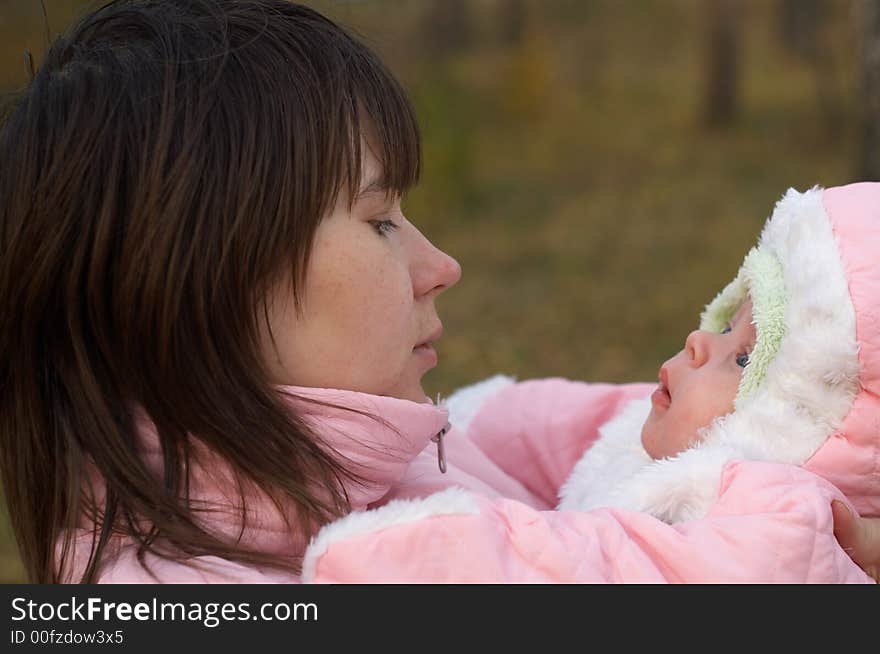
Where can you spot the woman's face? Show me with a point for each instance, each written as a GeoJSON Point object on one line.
{"type": "Point", "coordinates": [368, 302]}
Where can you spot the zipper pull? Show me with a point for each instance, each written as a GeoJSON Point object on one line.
{"type": "Point", "coordinates": [441, 452]}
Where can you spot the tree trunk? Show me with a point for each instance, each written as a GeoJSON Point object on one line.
{"type": "Point", "coordinates": [868, 16]}
{"type": "Point", "coordinates": [799, 23]}
{"type": "Point", "coordinates": [803, 32]}
{"type": "Point", "coordinates": [446, 26]}
{"type": "Point", "coordinates": [512, 21]}
{"type": "Point", "coordinates": [723, 62]}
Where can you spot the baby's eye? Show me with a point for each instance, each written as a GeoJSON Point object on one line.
{"type": "Point", "coordinates": [726, 330]}
{"type": "Point", "coordinates": [742, 360]}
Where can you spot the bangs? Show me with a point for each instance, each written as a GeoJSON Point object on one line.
{"type": "Point", "coordinates": [377, 113]}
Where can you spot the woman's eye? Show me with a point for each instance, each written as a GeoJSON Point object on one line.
{"type": "Point", "coordinates": [742, 360]}
{"type": "Point", "coordinates": [726, 330]}
{"type": "Point", "coordinates": [383, 227]}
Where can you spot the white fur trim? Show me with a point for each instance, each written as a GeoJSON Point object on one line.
{"type": "Point", "coordinates": [450, 501]}
{"type": "Point", "coordinates": [464, 403]}
{"type": "Point", "coordinates": [808, 389]}
{"type": "Point", "coordinates": [615, 457]}
{"type": "Point", "coordinates": [617, 472]}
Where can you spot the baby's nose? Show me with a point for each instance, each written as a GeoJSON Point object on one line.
{"type": "Point", "coordinates": [697, 347]}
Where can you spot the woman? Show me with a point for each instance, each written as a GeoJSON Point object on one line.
{"type": "Point", "coordinates": [216, 317]}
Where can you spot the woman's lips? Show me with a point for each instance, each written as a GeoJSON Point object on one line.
{"type": "Point", "coordinates": [427, 351]}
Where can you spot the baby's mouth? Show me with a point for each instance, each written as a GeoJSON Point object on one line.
{"type": "Point", "coordinates": [661, 396]}
{"type": "Point", "coordinates": [665, 389]}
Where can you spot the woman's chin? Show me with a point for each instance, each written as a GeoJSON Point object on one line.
{"type": "Point", "coordinates": [412, 392]}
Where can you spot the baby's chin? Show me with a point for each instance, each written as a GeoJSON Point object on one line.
{"type": "Point", "coordinates": [657, 443]}
{"type": "Point", "coordinates": [647, 436]}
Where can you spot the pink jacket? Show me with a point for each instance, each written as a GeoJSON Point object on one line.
{"type": "Point", "coordinates": [521, 445]}
{"type": "Point", "coordinates": [491, 517]}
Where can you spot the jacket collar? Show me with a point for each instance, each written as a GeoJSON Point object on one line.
{"type": "Point", "coordinates": [373, 435]}
{"type": "Point", "coordinates": [376, 437]}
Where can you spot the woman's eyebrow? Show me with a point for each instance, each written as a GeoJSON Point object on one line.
{"type": "Point", "coordinates": [373, 186]}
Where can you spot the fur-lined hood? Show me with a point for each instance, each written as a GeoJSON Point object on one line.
{"type": "Point", "coordinates": [817, 403]}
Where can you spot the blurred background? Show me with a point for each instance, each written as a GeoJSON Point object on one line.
{"type": "Point", "coordinates": [598, 167]}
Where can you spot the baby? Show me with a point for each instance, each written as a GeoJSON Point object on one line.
{"type": "Point", "coordinates": [773, 373]}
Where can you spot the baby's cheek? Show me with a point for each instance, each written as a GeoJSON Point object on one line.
{"type": "Point", "coordinates": [729, 395]}
{"type": "Point", "coordinates": [651, 437]}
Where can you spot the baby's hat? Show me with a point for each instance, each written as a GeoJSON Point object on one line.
{"type": "Point", "coordinates": [761, 278]}
{"type": "Point", "coordinates": [810, 394]}
{"type": "Point", "coordinates": [803, 372]}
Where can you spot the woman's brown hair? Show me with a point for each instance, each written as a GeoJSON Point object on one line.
{"type": "Point", "coordinates": [166, 165]}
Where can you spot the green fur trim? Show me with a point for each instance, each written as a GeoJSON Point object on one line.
{"type": "Point", "coordinates": [761, 278]}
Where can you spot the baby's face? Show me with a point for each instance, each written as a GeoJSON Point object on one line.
{"type": "Point", "coordinates": [697, 385]}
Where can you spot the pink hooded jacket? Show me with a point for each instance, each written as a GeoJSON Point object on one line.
{"type": "Point", "coordinates": [491, 517]}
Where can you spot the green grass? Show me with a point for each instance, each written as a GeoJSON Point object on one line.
{"type": "Point", "coordinates": [570, 175]}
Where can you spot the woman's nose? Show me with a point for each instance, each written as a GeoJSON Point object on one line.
{"type": "Point", "coordinates": [696, 347]}
{"type": "Point", "coordinates": [433, 269]}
